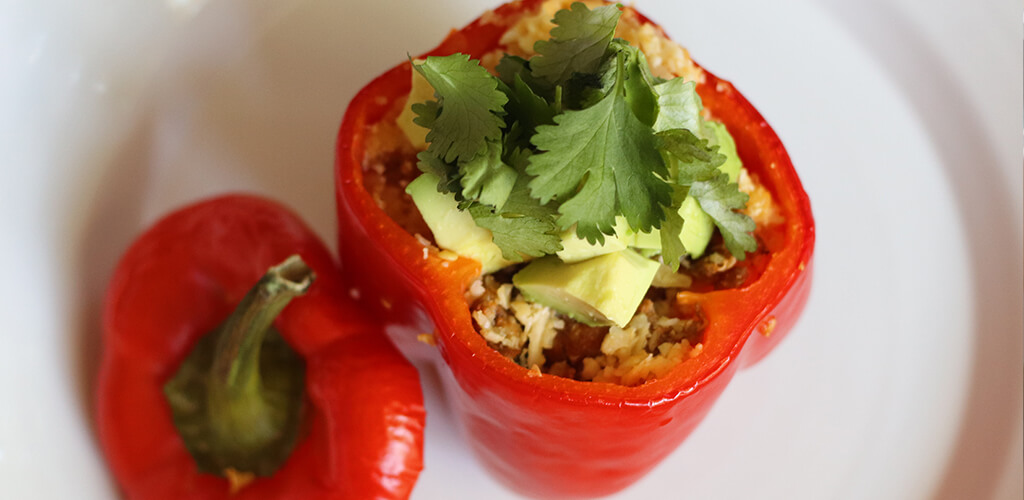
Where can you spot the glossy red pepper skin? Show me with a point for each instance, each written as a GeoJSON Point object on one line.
{"type": "Point", "coordinates": [183, 277]}
{"type": "Point", "coordinates": [543, 435]}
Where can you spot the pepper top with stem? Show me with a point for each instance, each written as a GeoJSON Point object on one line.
{"type": "Point", "coordinates": [238, 397]}
{"type": "Point", "coordinates": [361, 419]}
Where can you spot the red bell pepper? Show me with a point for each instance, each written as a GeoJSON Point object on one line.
{"type": "Point", "coordinates": [361, 434]}
{"type": "Point", "coordinates": [545, 435]}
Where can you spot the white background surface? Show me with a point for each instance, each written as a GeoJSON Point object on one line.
{"type": "Point", "coordinates": [903, 379]}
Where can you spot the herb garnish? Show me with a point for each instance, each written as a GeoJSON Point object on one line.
{"type": "Point", "coordinates": [577, 136]}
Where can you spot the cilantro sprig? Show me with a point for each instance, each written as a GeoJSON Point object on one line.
{"type": "Point", "coordinates": [576, 136]}
{"type": "Point", "coordinates": [469, 110]}
{"type": "Point", "coordinates": [600, 162]}
{"type": "Point", "coordinates": [578, 43]}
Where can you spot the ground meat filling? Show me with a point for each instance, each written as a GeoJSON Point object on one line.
{"type": "Point", "coordinates": [662, 333]}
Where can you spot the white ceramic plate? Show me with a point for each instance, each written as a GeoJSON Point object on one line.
{"type": "Point", "coordinates": [903, 380]}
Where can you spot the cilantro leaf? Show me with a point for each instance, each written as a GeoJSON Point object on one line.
{"type": "Point", "coordinates": [719, 199]}
{"type": "Point", "coordinates": [599, 162]}
{"type": "Point", "coordinates": [516, 137]}
{"type": "Point", "coordinates": [518, 236]}
{"type": "Point", "coordinates": [519, 158]}
{"type": "Point", "coordinates": [470, 107]}
{"type": "Point", "coordinates": [679, 106]}
{"type": "Point", "coordinates": [529, 108]}
{"type": "Point", "coordinates": [511, 66]}
{"type": "Point", "coordinates": [696, 164]}
{"type": "Point", "coordinates": [521, 203]}
{"type": "Point", "coordinates": [577, 44]}
{"type": "Point", "coordinates": [672, 248]}
{"type": "Point", "coordinates": [426, 113]}
{"type": "Point", "coordinates": [523, 226]}
{"type": "Point", "coordinates": [691, 158]}
{"type": "Point", "coordinates": [637, 79]}
{"type": "Point", "coordinates": [447, 174]}
{"type": "Point", "coordinates": [486, 179]}
{"type": "Point", "coordinates": [640, 87]}
{"type": "Point", "coordinates": [582, 90]}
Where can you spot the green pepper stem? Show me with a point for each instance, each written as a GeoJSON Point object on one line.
{"type": "Point", "coordinates": [235, 370]}
{"type": "Point", "coordinates": [238, 398]}
{"type": "Point", "coordinates": [235, 398]}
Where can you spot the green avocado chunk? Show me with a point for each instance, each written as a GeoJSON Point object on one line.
{"type": "Point", "coordinates": [726, 146]}
{"type": "Point", "coordinates": [454, 229]}
{"type": "Point", "coordinates": [576, 249]}
{"type": "Point", "coordinates": [697, 227]}
{"type": "Point", "coordinates": [695, 235]}
{"type": "Point", "coordinates": [603, 290]}
{"type": "Point", "coordinates": [644, 241]}
{"type": "Point", "coordinates": [421, 92]}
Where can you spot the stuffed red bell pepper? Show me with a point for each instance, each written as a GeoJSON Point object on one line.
{"type": "Point", "coordinates": [596, 230]}
{"type": "Point", "coordinates": [211, 388]}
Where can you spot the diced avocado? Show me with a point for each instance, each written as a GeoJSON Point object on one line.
{"type": "Point", "coordinates": [603, 290]}
{"type": "Point", "coordinates": [421, 92]}
{"type": "Point", "coordinates": [695, 235]}
{"type": "Point", "coordinates": [697, 227]}
{"type": "Point", "coordinates": [646, 241]}
{"type": "Point", "coordinates": [727, 147]}
{"type": "Point", "coordinates": [454, 229]}
{"type": "Point", "coordinates": [575, 249]}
